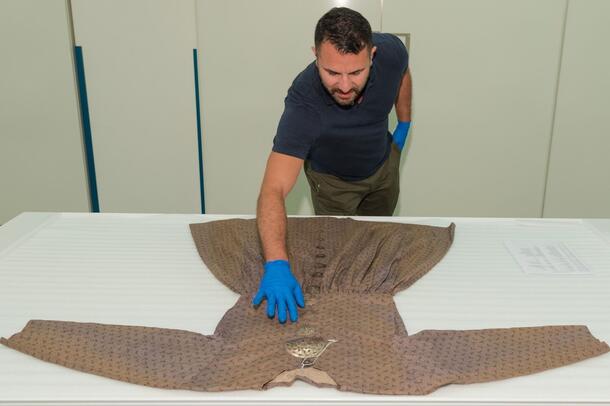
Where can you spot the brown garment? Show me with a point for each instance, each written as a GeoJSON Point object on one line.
{"type": "Point", "coordinates": [349, 271]}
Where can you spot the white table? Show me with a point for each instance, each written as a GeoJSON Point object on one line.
{"type": "Point", "coordinates": [143, 269]}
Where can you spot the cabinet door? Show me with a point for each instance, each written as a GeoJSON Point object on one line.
{"type": "Point", "coordinates": [579, 168]}
{"type": "Point", "coordinates": [138, 62]}
{"type": "Point", "coordinates": [484, 82]}
{"type": "Point", "coordinates": [41, 151]}
{"type": "Point", "coordinates": [251, 53]}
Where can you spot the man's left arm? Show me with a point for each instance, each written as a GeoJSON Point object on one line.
{"type": "Point", "coordinates": [403, 110]}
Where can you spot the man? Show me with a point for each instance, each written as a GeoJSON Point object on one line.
{"type": "Point", "coordinates": [335, 125]}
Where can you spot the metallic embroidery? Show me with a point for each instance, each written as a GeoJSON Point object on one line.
{"type": "Point", "coordinates": [308, 348]}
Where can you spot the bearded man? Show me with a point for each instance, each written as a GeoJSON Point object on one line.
{"type": "Point", "coordinates": [335, 126]}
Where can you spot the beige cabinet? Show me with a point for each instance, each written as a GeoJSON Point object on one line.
{"type": "Point", "coordinates": [138, 60]}
{"type": "Point", "coordinates": [42, 164]}
{"type": "Point", "coordinates": [509, 103]}
{"type": "Point", "coordinates": [579, 166]}
{"type": "Point", "coordinates": [484, 79]}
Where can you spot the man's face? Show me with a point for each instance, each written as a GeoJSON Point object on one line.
{"type": "Point", "coordinates": [343, 75]}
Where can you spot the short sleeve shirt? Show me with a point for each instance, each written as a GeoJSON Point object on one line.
{"type": "Point", "coordinates": [348, 142]}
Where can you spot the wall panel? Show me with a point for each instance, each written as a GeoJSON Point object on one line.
{"type": "Point", "coordinates": [484, 79]}
{"type": "Point", "coordinates": [41, 152]}
{"type": "Point", "coordinates": [579, 168]}
{"type": "Point", "coordinates": [138, 58]}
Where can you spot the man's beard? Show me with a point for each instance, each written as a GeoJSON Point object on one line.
{"type": "Point", "coordinates": [354, 94]}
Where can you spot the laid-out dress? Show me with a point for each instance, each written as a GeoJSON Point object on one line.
{"type": "Point", "coordinates": [349, 336]}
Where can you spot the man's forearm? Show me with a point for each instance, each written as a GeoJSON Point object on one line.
{"type": "Point", "coordinates": [403, 100]}
{"type": "Point", "coordinates": [271, 221]}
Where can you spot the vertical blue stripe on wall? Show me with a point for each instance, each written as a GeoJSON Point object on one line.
{"type": "Point", "coordinates": [84, 111]}
{"type": "Point", "coordinates": [199, 144]}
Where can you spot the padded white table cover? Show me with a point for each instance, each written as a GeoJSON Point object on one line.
{"type": "Point", "coordinates": [143, 269]}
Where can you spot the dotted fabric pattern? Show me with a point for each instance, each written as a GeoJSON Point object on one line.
{"type": "Point", "coordinates": [327, 254]}
{"type": "Point", "coordinates": [349, 271]}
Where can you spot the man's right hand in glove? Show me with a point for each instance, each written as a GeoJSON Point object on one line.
{"type": "Point", "coordinates": [281, 289]}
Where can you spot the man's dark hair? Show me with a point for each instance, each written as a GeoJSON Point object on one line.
{"type": "Point", "coordinates": [346, 29]}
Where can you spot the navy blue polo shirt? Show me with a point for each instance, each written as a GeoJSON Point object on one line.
{"type": "Point", "coordinates": [348, 142]}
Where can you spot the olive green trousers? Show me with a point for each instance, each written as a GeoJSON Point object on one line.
{"type": "Point", "coordinates": [376, 195]}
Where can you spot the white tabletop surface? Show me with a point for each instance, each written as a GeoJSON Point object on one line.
{"type": "Point", "coordinates": [143, 269]}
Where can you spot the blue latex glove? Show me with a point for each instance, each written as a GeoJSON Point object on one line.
{"type": "Point", "coordinates": [400, 134]}
{"type": "Point", "coordinates": [281, 288]}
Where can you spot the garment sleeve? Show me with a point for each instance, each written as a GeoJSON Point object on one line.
{"type": "Point", "coordinates": [162, 358]}
{"type": "Point", "coordinates": [400, 53]}
{"type": "Point", "coordinates": [441, 357]}
{"type": "Point", "coordinates": [297, 130]}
